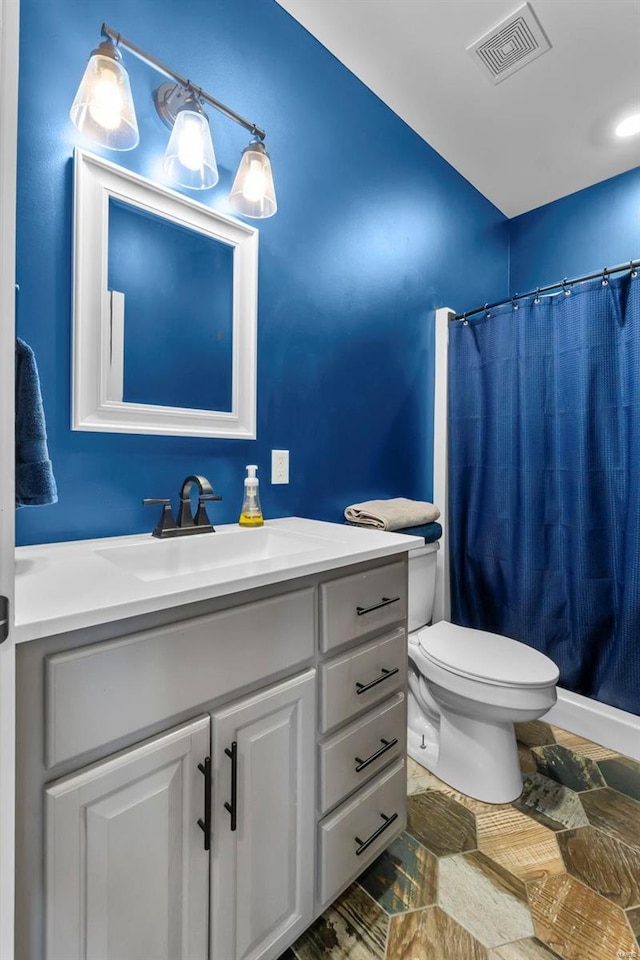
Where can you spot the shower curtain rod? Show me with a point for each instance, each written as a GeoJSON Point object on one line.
{"type": "Point", "coordinates": [604, 273]}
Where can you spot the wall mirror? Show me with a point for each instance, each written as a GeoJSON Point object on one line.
{"type": "Point", "coordinates": [165, 310]}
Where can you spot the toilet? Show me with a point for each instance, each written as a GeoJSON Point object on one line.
{"type": "Point", "coordinates": [467, 688]}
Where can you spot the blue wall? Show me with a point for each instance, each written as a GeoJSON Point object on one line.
{"type": "Point", "coordinates": [374, 230]}
{"type": "Point", "coordinates": [577, 235]}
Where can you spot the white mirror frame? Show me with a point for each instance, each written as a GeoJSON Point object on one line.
{"type": "Point", "coordinates": [95, 181]}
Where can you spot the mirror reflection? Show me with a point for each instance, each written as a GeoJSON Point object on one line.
{"type": "Point", "coordinates": [171, 306]}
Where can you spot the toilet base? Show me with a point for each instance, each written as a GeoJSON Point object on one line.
{"type": "Point", "coordinates": [476, 757]}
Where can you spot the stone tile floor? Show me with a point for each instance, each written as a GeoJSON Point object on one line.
{"type": "Point", "coordinates": [554, 874]}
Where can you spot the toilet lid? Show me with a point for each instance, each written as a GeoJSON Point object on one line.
{"type": "Point", "coordinates": [486, 656]}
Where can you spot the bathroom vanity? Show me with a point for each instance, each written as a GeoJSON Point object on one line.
{"type": "Point", "coordinates": [211, 741]}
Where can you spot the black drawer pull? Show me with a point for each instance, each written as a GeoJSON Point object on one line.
{"type": "Point", "coordinates": [364, 844]}
{"type": "Point", "coordinates": [233, 806]}
{"type": "Point", "coordinates": [205, 825]}
{"type": "Point", "coordinates": [387, 745]}
{"type": "Point", "coordinates": [376, 606]}
{"type": "Point", "coordinates": [363, 687]}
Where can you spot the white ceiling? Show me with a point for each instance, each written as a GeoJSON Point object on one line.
{"type": "Point", "coordinates": [541, 134]}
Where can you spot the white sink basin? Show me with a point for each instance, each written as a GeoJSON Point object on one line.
{"type": "Point", "coordinates": [161, 559]}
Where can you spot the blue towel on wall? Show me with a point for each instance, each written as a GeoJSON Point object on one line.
{"type": "Point", "coordinates": [35, 483]}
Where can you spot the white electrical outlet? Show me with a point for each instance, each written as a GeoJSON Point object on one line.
{"type": "Point", "coordinates": [279, 466]}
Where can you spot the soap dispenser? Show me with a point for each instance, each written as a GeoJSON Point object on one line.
{"type": "Point", "coordinates": [251, 515]}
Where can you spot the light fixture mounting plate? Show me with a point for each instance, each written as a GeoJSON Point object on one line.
{"type": "Point", "coordinates": [169, 98]}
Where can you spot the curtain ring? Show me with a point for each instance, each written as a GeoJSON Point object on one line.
{"type": "Point", "coordinates": [465, 322]}
{"type": "Point", "coordinates": [605, 277]}
{"type": "Point", "coordinates": [565, 288]}
{"type": "Point", "coordinates": [514, 305]}
{"type": "Point", "coordinates": [537, 296]}
{"type": "Point", "coordinates": [634, 270]}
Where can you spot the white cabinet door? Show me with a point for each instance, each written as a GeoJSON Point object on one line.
{"type": "Point", "coordinates": [262, 853]}
{"type": "Point", "coordinates": [127, 873]}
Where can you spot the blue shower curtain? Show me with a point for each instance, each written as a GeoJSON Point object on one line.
{"type": "Point", "coordinates": [544, 480]}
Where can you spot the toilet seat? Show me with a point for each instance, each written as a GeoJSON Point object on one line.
{"type": "Point", "coordinates": [478, 655]}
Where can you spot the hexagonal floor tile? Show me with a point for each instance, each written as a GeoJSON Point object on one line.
{"type": "Point", "coordinates": [569, 768]}
{"type": "Point", "coordinates": [486, 900]}
{"type": "Point", "coordinates": [526, 759]}
{"type": "Point", "coordinates": [352, 928]}
{"type": "Point", "coordinates": [532, 949]}
{"type": "Point", "coordinates": [586, 748]}
{"type": "Point", "coordinates": [519, 844]}
{"type": "Point", "coordinates": [419, 780]}
{"type": "Point", "coordinates": [576, 922]}
{"type": "Point", "coordinates": [403, 877]}
{"type": "Point", "coordinates": [551, 804]}
{"type": "Point", "coordinates": [431, 933]}
{"type": "Point", "coordinates": [614, 813]}
{"type": "Point", "coordinates": [623, 774]}
{"type": "Point", "coordinates": [609, 867]}
{"type": "Point", "coordinates": [534, 733]}
{"type": "Point", "coordinates": [442, 824]}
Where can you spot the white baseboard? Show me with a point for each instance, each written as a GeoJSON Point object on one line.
{"type": "Point", "coordinates": [597, 721]}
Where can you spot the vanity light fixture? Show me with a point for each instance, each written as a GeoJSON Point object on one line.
{"type": "Point", "coordinates": [103, 106]}
{"type": "Point", "coordinates": [103, 110]}
{"type": "Point", "coordinates": [253, 193]}
{"type": "Point", "coordinates": [189, 159]}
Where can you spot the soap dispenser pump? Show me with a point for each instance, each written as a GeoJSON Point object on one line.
{"type": "Point", "coordinates": [251, 515]}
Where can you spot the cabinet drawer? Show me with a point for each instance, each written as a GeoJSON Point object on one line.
{"type": "Point", "coordinates": [361, 678]}
{"type": "Point", "coordinates": [360, 751]}
{"type": "Point", "coordinates": [360, 829]}
{"type": "Point", "coordinates": [100, 692]}
{"type": "Point", "coordinates": [352, 607]}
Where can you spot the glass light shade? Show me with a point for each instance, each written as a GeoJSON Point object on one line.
{"type": "Point", "coordinates": [103, 106]}
{"type": "Point", "coordinates": [253, 193]}
{"type": "Point", "coordinates": [189, 160]}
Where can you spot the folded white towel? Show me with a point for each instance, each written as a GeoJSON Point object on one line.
{"type": "Point", "coordinates": [392, 514]}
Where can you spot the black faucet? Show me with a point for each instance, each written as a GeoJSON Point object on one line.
{"type": "Point", "coordinates": [186, 522]}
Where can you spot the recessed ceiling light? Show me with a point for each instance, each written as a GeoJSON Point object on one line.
{"type": "Point", "coordinates": [629, 126]}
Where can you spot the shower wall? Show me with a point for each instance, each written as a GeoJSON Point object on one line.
{"type": "Point", "coordinates": [578, 234]}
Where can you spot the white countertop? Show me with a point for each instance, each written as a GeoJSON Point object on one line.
{"type": "Point", "coordinates": [67, 586]}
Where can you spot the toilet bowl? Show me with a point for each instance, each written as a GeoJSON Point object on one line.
{"type": "Point", "coordinates": [467, 688]}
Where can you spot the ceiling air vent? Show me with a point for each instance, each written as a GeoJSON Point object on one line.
{"type": "Point", "coordinates": [510, 45]}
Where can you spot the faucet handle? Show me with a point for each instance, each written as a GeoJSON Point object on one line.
{"type": "Point", "coordinates": [202, 518]}
{"type": "Point", "coordinates": [166, 521]}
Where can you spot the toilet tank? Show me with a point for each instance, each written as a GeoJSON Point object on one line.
{"type": "Point", "coordinates": [422, 583]}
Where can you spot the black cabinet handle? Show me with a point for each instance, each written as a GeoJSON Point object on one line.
{"type": "Point", "coordinates": [387, 745]}
{"type": "Point", "coordinates": [376, 606]}
{"type": "Point", "coordinates": [205, 825]}
{"type": "Point", "coordinates": [363, 687]}
{"type": "Point", "coordinates": [364, 844]}
{"type": "Point", "coordinates": [233, 806]}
